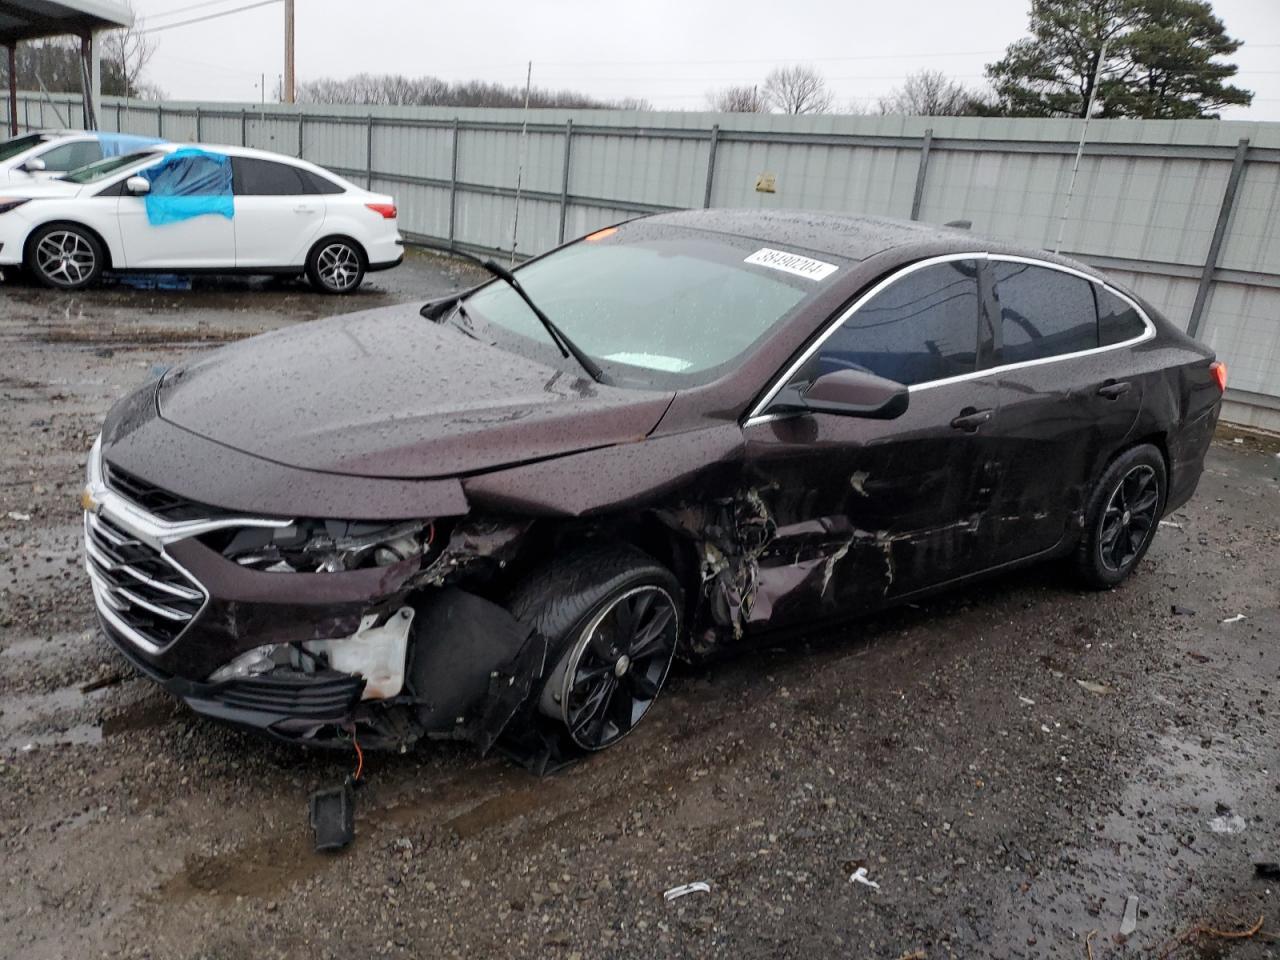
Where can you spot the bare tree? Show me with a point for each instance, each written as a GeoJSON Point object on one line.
{"type": "Point", "coordinates": [929, 93]}
{"type": "Point", "coordinates": [130, 51]}
{"type": "Point", "coordinates": [797, 89]}
{"type": "Point", "coordinates": [738, 99]}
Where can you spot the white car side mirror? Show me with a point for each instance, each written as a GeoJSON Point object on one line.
{"type": "Point", "coordinates": [34, 165]}
{"type": "Point", "coordinates": [139, 186]}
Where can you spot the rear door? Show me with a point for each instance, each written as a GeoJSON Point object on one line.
{"type": "Point", "coordinates": [278, 216]}
{"type": "Point", "coordinates": [868, 510]}
{"type": "Point", "coordinates": [1066, 404]}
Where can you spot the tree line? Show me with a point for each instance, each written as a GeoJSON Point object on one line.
{"type": "Point", "coordinates": [1153, 59]}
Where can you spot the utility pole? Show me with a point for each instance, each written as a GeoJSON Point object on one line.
{"type": "Point", "coordinates": [288, 52]}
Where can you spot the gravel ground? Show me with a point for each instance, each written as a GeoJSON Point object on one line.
{"type": "Point", "coordinates": [1009, 764]}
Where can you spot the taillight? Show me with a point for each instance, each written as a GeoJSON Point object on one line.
{"type": "Point", "coordinates": [1219, 371]}
{"type": "Point", "coordinates": [386, 210]}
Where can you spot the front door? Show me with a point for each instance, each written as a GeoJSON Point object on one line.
{"type": "Point", "coordinates": [871, 510]}
{"type": "Point", "coordinates": [191, 239]}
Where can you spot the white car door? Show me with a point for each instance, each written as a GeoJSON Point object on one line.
{"type": "Point", "coordinates": [204, 242]}
{"type": "Point", "coordinates": [278, 215]}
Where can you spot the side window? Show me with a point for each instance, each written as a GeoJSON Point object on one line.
{"type": "Point", "coordinates": [1043, 312]}
{"type": "Point", "coordinates": [264, 178]}
{"type": "Point", "coordinates": [1118, 321]}
{"type": "Point", "coordinates": [71, 156]}
{"type": "Point", "coordinates": [922, 327]}
{"type": "Point", "coordinates": [318, 184]}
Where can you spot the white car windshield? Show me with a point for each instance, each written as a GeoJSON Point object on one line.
{"type": "Point", "coordinates": [11, 148]}
{"type": "Point", "coordinates": [101, 169]}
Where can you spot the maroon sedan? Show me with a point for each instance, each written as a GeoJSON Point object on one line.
{"type": "Point", "coordinates": [503, 516]}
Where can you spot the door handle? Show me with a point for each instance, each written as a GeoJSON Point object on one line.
{"type": "Point", "coordinates": [1113, 390]}
{"type": "Point", "coordinates": [971, 419]}
{"type": "Point", "coordinates": [302, 208]}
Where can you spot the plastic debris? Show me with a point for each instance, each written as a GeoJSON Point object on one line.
{"type": "Point", "coordinates": [1236, 619]}
{"type": "Point", "coordinates": [1171, 523]}
{"type": "Point", "coordinates": [1130, 921]}
{"type": "Point", "coordinates": [1227, 824]}
{"type": "Point", "coordinates": [675, 893]}
{"type": "Point", "coordinates": [1266, 869]}
{"type": "Point", "coordinates": [20, 517]}
{"type": "Point", "coordinates": [333, 817]}
{"type": "Point", "coordinates": [1027, 701]}
{"type": "Point", "coordinates": [860, 876]}
{"type": "Point", "coordinates": [1178, 611]}
{"type": "Point", "coordinates": [1094, 687]}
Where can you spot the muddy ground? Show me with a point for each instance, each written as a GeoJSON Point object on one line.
{"type": "Point", "coordinates": [1009, 764]}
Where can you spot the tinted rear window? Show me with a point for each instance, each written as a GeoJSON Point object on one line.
{"type": "Point", "coordinates": [922, 327]}
{"type": "Point", "coordinates": [1118, 321]}
{"type": "Point", "coordinates": [1043, 312]}
{"type": "Point", "coordinates": [264, 178]}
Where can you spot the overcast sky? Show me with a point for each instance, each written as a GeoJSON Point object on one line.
{"type": "Point", "coordinates": [668, 51]}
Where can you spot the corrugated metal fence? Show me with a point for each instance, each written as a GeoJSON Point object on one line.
{"type": "Point", "coordinates": [1185, 212]}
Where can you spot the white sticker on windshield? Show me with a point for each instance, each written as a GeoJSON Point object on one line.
{"type": "Point", "coordinates": [792, 263]}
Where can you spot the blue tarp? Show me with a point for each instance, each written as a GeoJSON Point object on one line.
{"type": "Point", "coordinates": [118, 144]}
{"type": "Point", "coordinates": [189, 183]}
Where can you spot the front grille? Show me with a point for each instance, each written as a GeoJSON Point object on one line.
{"type": "Point", "coordinates": [160, 503]}
{"type": "Point", "coordinates": [325, 695]}
{"type": "Point", "coordinates": [137, 585]}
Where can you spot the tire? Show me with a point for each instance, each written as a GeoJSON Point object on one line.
{"type": "Point", "coordinates": [336, 265]}
{"type": "Point", "coordinates": [602, 684]}
{"type": "Point", "coordinates": [65, 256]}
{"type": "Point", "coordinates": [1122, 516]}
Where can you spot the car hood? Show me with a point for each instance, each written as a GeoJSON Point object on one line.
{"type": "Point", "coordinates": [36, 189]}
{"type": "Point", "coordinates": [387, 393]}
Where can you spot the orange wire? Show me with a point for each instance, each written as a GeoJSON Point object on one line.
{"type": "Point", "coordinates": [359, 757]}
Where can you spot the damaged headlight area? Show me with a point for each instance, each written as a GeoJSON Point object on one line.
{"type": "Point", "coordinates": [375, 652]}
{"type": "Point", "coordinates": [324, 546]}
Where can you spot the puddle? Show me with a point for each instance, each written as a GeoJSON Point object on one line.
{"type": "Point", "coordinates": [46, 719]}
{"type": "Point", "coordinates": [259, 871]}
{"type": "Point", "coordinates": [496, 811]}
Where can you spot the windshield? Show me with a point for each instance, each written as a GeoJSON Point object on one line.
{"type": "Point", "coordinates": [665, 304]}
{"type": "Point", "coordinates": [101, 169]}
{"type": "Point", "coordinates": [11, 148]}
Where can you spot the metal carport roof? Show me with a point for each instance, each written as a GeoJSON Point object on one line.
{"type": "Point", "coordinates": [31, 19]}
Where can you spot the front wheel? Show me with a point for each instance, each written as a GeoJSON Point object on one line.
{"type": "Point", "coordinates": [336, 266]}
{"type": "Point", "coordinates": [65, 256]}
{"type": "Point", "coordinates": [612, 616]}
{"type": "Point", "coordinates": [1123, 514]}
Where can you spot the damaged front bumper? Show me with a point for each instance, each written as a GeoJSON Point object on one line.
{"type": "Point", "coordinates": [305, 656]}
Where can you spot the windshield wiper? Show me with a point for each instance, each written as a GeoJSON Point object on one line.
{"type": "Point", "coordinates": [561, 339]}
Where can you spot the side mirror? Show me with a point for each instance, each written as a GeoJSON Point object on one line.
{"type": "Point", "coordinates": [138, 186]}
{"type": "Point", "coordinates": [847, 393]}
{"type": "Point", "coordinates": [35, 165]}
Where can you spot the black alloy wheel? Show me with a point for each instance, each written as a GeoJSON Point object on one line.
{"type": "Point", "coordinates": [1128, 518]}
{"type": "Point", "coordinates": [618, 666]}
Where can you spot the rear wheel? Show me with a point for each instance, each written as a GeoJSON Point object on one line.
{"type": "Point", "coordinates": [336, 266]}
{"type": "Point", "coordinates": [612, 617]}
{"type": "Point", "coordinates": [1122, 516]}
{"type": "Point", "coordinates": [65, 256]}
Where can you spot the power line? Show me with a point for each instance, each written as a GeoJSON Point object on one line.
{"type": "Point", "coordinates": [210, 16]}
{"type": "Point", "coordinates": [193, 6]}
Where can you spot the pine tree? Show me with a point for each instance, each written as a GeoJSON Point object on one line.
{"type": "Point", "coordinates": [1159, 61]}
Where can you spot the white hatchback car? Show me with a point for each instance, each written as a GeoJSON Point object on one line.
{"type": "Point", "coordinates": [44, 154]}
{"type": "Point", "coordinates": [199, 209]}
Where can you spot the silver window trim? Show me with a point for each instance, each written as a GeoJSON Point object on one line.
{"type": "Point", "coordinates": [757, 414]}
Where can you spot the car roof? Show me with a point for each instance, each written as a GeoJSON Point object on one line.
{"type": "Point", "coordinates": [855, 237]}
